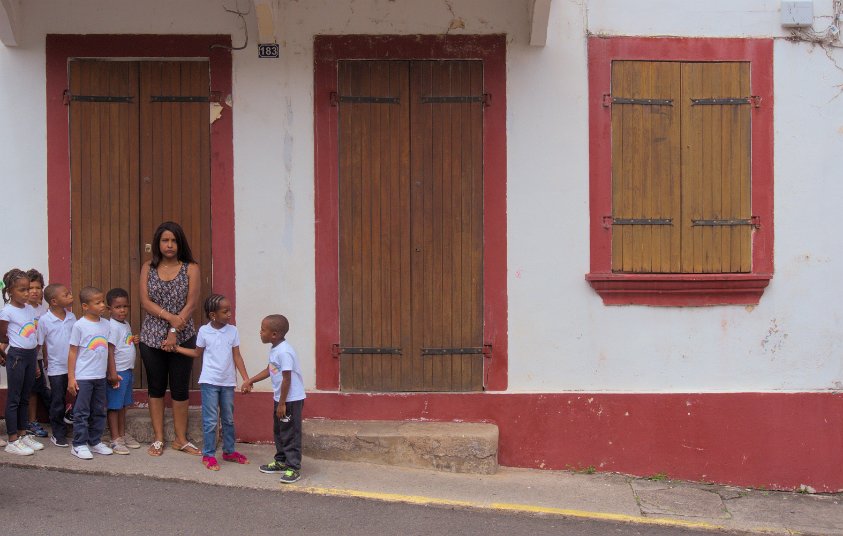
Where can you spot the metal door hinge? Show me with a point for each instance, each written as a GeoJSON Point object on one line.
{"type": "Point", "coordinates": [213, 96]}
{"type": "Point", "coordinates": [609, 100]}
{"type": "Point", "coordinates": [485, 99]}
{"type": "Point", "coordinates": [337, 350]}
{"type": "Point", "coordinates": [336, 99]}
{"type": "Point", "coordinates": [68, 97]}
{"type": "Point", "coordinates": [754, 221]}
{"type": "Point", "coordinates": [754, 100]}
{"type": "Point", "coordinates": [608, 221]}
{"type": "Point", "coordinates": [486, 350]}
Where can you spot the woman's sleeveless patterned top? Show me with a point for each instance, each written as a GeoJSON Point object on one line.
{"type": "Point", "coordinates": [171, 296]}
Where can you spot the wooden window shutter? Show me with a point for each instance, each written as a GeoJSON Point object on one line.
{"type": "Point", "coordinates": [645, 166]}
{"type": "Point", "coordinates": [716, 155]}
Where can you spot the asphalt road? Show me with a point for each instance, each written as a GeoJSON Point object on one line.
{"type": "Point", "coordinates": [39, 501]}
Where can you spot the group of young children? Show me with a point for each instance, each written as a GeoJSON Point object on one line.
{"type": "Point", "coordinates": [93, 358]}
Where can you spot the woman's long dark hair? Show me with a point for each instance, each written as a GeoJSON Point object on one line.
{"type": "Point", "coordinates": [184, 253]}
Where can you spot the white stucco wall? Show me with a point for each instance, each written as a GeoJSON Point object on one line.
{"type": "Point", "coordinates": [561, 336]}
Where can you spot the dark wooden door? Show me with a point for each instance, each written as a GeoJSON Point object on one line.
{"type": "Point", "coordinates": [411, 225]}
{"type": "Point", "coordinates": [139, 155]}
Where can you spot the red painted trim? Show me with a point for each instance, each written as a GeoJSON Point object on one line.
{"type": "Point", "coordinates": [492, 50]}
{"type": "Point", "coordinates": [601, 52]}
{"type": "Point", "coordinates": [679, 289]}
{"type": "Point", "coordinates": [775, 440]}
{"type": "Point", "coordinates": [59, 49]}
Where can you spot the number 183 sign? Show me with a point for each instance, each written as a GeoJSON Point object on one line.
{"type": "Point", "coordinates": [268, 50]}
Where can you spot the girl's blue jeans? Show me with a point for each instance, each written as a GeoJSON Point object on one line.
{"type": "Point", "coordinates": [20, 371]}
{"type": "Point", "coordinates": [217, 406]}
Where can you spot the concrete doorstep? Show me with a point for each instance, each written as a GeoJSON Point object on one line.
{"type": "Point", "coordinates": [444, 446]}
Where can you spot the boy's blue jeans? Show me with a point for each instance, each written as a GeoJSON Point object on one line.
{"type": "Point", "coordinates": [89, 412]}
{"type": "Point", "coordinates": [217, 406]}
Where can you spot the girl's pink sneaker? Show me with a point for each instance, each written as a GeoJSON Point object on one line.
{"type": "Point", "coordinates": [235, 457]}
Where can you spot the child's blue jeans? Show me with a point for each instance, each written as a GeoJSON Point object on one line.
{"type": "Point", "coordinates": [89, 412]}
{"type": "Point", "coordinates": [20, 374]}
{"type": "Point", "coordinates": [217, 406]}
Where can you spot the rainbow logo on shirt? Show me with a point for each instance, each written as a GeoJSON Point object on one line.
{"type": "Point", "coordinates": [27, 330]}
{"type": "Point", "coordinates": [273, 369]}
{"type": "Point", "coordinates": [97, 343]}
{"type": "Point", "coordinates": [129, 338]}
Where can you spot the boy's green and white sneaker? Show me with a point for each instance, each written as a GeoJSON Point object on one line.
{"type": "Point", "coordinates": [273, 467]}
{"type": "Point", "coordinates": [289, 476]}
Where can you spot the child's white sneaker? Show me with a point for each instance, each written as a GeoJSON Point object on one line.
{"type": "Point", "coordinates": [102, 448]}
{"type": "Point", "coordinates": [30, 442]}
{"type": "Point", "coordinates": [82, 452]}
{"type": "Point", "coordinates": [19, 447]}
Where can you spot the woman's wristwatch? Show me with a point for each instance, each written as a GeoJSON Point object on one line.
{"type": "Point", "coordinates": [173, 330]}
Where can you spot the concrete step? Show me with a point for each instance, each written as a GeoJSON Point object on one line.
{"type": "Point", "coordinates": [444, 446]}
{"type": "Point", "coordinates": [139, 425]}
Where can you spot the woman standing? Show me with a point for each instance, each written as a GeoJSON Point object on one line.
{"type": "Point", "coordinates": [169, 292]}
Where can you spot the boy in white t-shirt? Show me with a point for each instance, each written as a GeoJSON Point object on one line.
{"type": "Point", "coordinates": [288, 394]}
{"type": "Point", "coordinates": [87, 363]}
{"type": "Point", "coordinates": [53, 330]}
{"type": "Point", "coordinates": [121, 364]}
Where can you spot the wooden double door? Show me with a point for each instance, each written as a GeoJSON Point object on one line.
{"type": "Point", "coordinates": [410, 225]}
{"type": "Point", "coordinates": [139, 155]}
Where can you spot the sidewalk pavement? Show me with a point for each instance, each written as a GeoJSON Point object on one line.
{"type": "Point", "coordinates": [604, 497]}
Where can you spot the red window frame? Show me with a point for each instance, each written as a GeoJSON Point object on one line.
{"type": "Point", "coordinates": [679, 289]}
{"type": "Point", "coordinates": [328, 50]}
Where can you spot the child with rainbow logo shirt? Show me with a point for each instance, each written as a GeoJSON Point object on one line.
{"type": "Point", "coordinates": [87, 363]}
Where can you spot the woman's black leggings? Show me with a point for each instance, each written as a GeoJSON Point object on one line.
{"type": "Point", "coordinates": [163, 368]}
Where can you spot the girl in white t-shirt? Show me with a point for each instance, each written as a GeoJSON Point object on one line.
{"type": "Point", "coordinates": [17, 330]}
{"type": "Point", "coordinates": [41, 387]}
{"type": "Point", "coordinates": [218, 345]}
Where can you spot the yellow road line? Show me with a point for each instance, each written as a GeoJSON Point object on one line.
{"type": "Point", "coordinates": [530, 509]}
{"type": "Point", "coordinates": [517, 508]}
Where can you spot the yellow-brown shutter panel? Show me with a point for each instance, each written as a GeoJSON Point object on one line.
{"type": "Point", "coordinates": [645, 167]}
{"type": "Point", "coordinates": [716, 154]}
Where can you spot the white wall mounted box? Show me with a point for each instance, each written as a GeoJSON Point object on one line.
{"type": "Point", "coordinates": [799, 14]}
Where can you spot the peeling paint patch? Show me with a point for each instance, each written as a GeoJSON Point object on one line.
{"type": "Point", "coordinates": [774, 339]}
{"type": "Point", "coordinates": [216, 112]}
{"type": "Point", "coordinates": [457, 24]}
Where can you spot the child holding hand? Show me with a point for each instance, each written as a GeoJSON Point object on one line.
{"type": "Point", "coordinates": [218, 345]}
{"type": "Point", "coordinates": [288, 394]}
